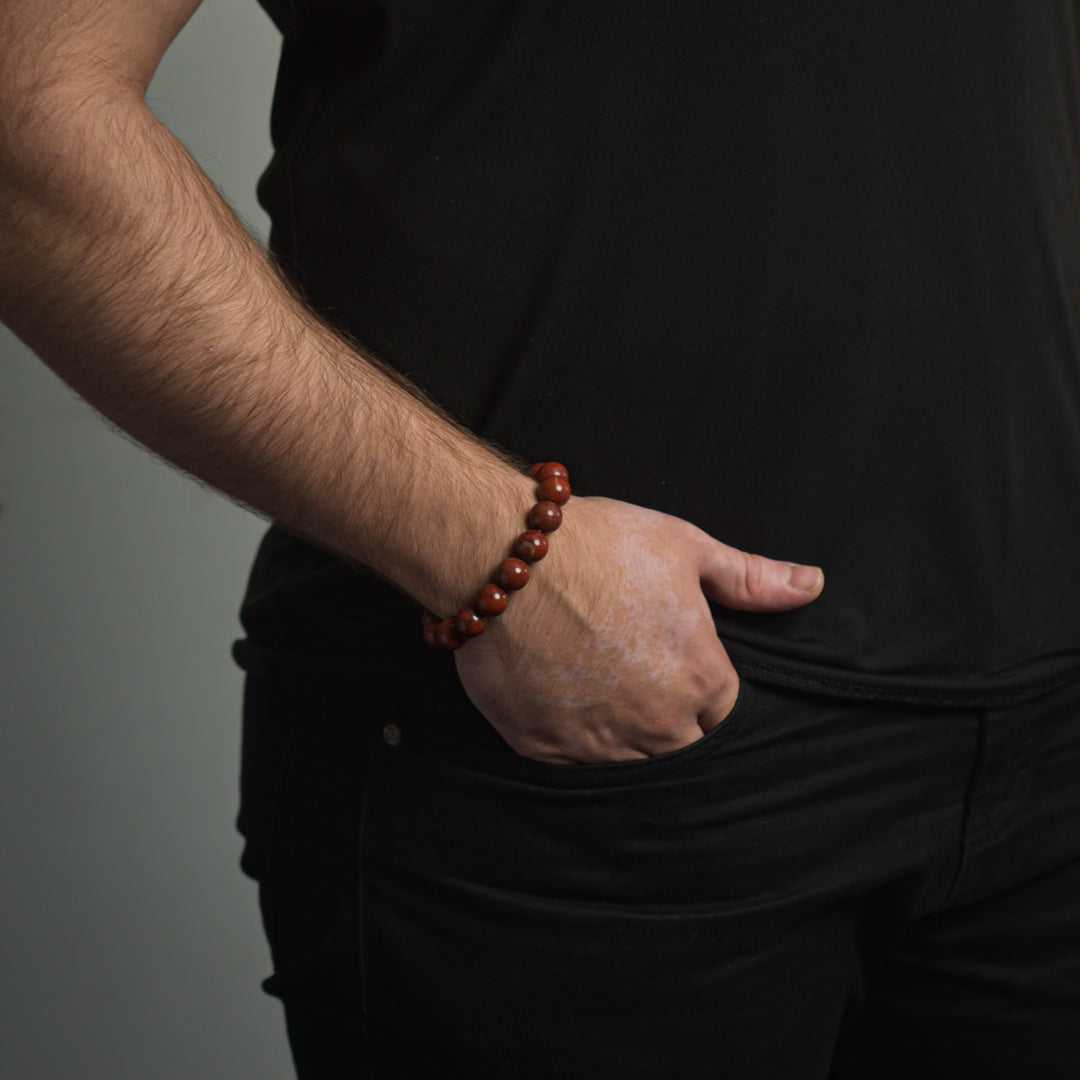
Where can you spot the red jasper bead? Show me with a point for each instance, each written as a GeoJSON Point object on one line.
{"type": "Point", "coordinates": [490, 600]}
{"type": "Point", "coordinates": [468, 624]}
{"type": "Point", "coordinates": [534, 470]}
{"type": "Point", "coordinates": [531, 546]}
{"type": "Point", "coordinates": [512, 574]}
{"type": "Point", "coordinates": [545, 516]}
{"type": "Point", "coordinates": [445, 638]}
{"type": "Point", "coordinates": [552, 468]}
{"type": "Point", "coordinates": [555, 489]}
{"type": "Point", "coordinates": [429, 633]}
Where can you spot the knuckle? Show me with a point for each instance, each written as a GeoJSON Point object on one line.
{"type": "Point", "coordinates": [751, 576]}
{"type": "Point", "coordinates": [711, 682]}
{"type": "Point", "coordinates": [666, 731]}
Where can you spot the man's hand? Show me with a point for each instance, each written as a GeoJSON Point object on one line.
{"type": "Point", "coordinates": [610, 652]}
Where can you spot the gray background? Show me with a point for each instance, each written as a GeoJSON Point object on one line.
{"type": "Point", "coordinates": [130, 944]}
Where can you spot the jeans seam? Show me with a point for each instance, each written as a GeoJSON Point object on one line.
{"type": "Point", "coordinates": [970, 795]}
{"type": "Point", "coordinates": [361, 950]}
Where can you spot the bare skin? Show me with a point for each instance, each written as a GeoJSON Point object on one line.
{"type": "Point", "coordinates": [628, 641]}
{"type": "Point", "coordinates": [123, 269]}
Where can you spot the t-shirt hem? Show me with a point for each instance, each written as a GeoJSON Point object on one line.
{"type": "Point", "coordinates": [963, 692]}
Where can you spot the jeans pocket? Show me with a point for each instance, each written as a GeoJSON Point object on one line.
{"type": "Point", "coordinates": [450, 727]}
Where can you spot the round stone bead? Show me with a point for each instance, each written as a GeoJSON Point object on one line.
{"type": "Point", "coordinates": [545, 516]}
{"type": "Point", "coordinates": [531, 546]}
{"type": "Point", "coordinates": [445, 638]}
{"type": "Point", "coordinates": [468, 624]}
{"type": "Point", "coordinates": [534, 470]}
{"type": "Point", "coordinates": [552, 468]}
{"type": "Point", "coordinates": [512, 574]}
{"type": "Point", "coordinates": [555, 489]}
{"type": "Point", "coordinates": [490, 600]}
{"type": "Point", "coordinates": [431, 627]}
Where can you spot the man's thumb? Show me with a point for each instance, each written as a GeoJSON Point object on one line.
{"type": "Point", "coordinates": [737, 579]}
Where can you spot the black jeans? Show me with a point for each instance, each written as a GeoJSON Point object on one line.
{"type": "Point", "coordinates": [817, 889]}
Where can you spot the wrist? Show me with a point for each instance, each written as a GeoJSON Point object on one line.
{"type": "Point", "coordinates": [528, 546]}
{"type": "Point", "coordinates": [473, 539]}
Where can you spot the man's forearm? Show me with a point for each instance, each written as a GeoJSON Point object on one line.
{"type": "Point", "coordinates": [121, 266]}
{"type": "Point", "coordinates": [123, 269]}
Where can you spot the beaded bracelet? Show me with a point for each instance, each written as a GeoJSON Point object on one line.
{"type": "Point", "coordinates": [553, 492]}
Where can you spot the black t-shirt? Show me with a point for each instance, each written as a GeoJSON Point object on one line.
{"type": "Point", "coordinates": [807, 275]}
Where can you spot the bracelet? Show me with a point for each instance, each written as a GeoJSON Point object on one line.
{"type": "Point", "coordinates": [553, 493]}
